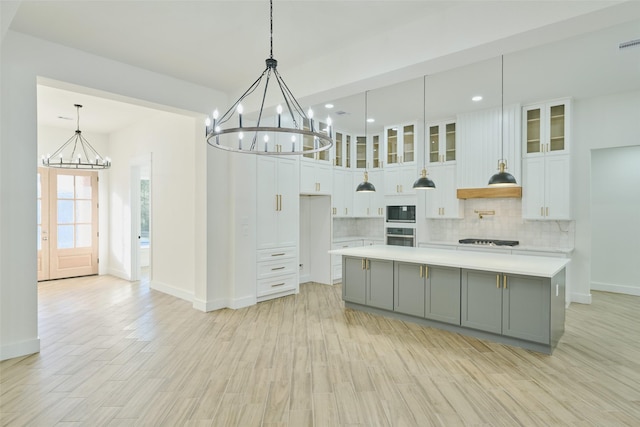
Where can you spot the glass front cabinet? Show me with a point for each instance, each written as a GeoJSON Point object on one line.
{"type": "Point", "coordinates": [368, 153]}
{"type": "Point", "coordinates": [442, 142]}
{"type": "Point", "coordinates": [546, 128]}
{"type": "Point", "coordinates": [400, 147]}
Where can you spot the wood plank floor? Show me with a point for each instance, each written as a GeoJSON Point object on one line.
{"type": "Point", "coordinates": [115, 353]}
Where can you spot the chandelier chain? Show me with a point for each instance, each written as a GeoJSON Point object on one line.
{"type": "Point", "coordinates": [271, 27]}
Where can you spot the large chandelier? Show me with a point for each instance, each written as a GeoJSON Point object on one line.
{"type": "Point", "coordinates": [287, 131]}
{"type": "Point", "coordinates": [76, 153]}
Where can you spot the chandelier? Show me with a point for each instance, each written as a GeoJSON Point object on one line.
{"type": "Point", "coordinates": [76, 153]}
{"type": "Point", "coordinates": [287, 131]}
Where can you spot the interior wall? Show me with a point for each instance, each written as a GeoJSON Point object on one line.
{"type": "Point", "coordinates": [23, 59]}
{"type": "Point", "coordinates": [170, 139]}
{"type": "Point", "coordinates": [601, 122]}
{"type": "Point", "coordinates": [615, 222]}
{"type": "Point", "coordinates": [305, 238]}
{"type": "Point", "coordinates": [50, 139]}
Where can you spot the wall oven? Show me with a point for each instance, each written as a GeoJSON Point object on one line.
{"type": "Point", "coordinates": [401, 236]}
{"type": "Point", "coordinates": [401, 213]}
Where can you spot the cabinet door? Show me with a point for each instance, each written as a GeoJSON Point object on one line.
{"type": "Point", "coordinates": [533, 188]}
{"type": "Point", "coordinates": [442, 201]}
{"type": "Point", "coordinates": [353, 280]}
{"type": "Point", "coordinates": [324, 178]}
{"type": "Point", "coordinates": [392, 181]}
{"type": "Point", "coordinates": [442, 301]}
{"type": "Point", "coordinates": [408, 144]}
{"type": "Point", "coordinates": [481, 301]}
{"type": "Point", "coordinates": [288, 214]}
{"type": "Point", "coordinates": [380, 283]}
{"type": "Point", "coordinates": [409, 289]}
{"type": "Point", "coordinates": [362, 204]}
{"type": "Point", "coordinates": [557, 195]}
{"type": "Point", "coordinates": [392, 145]}
{"type": "Point", "coordinates": [526, 308]}
{"type": "Point", "coordinates": [307, 177]}
{"type": "Point", "coordinates": [267, 203]}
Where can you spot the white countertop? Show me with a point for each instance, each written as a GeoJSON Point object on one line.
{"type": "Point", "coordinates": [517, 248]}
{"type": "Point", "coordinates": [528, 265]}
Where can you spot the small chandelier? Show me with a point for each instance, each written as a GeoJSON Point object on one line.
{"type": "Point", "coordinates": [76, 153]}
{"type": "Point", "coordinates": [365, 186]}
{"type": "Point", "coordinates": [290, 131]}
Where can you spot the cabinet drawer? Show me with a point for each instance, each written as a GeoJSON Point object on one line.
{"type": "Point", "coordinates": [276, 253]}
{"type": "Point", "coordinates": [276, 285]}
{"type": "Point", "coordinates": [278, 267]}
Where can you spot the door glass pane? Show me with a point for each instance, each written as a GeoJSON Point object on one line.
{"type": "Point", "coordinates": [376, 151]}
{"type": "Point", "coordinates": [533, 131]}
{"type": "Point", "coordinates": [39, 212]}
{"type": "Point", "coordinates": [39, 187]}
{"type": "Point", "coordinates": [361, 152]}
{"type": "Point", "coordinates": [83, 236]}
{"type": "Point", "coordinates": [83, 187]}
{"type": "Point", "coordinates": [39, 238]}
{"type": "Point", "coordinates": [348, 147]}
{"type": "Point", "coordinates": [392, 146]}
{"type": "Point", "coordinates": [451, 142]}
{"type": "Point", "coordinates": [83, 211]}
{"type": "Point", "coordinates": [65, 236]}
{"type": "Point", "coordinates": [557, 128]}
{"type": "Point", "coordinates": [407, 144]}
{"type": "Point", "coordinates": [65, 211]}
{"type": "Point", "coordinates": [65, 187]}
{"type": "Point", "coordinates": [434, 144]}
{"type": "Point", "coordinates": [338, 149]}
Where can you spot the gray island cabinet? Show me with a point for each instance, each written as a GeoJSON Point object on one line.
{"type": "Point", "coordinates": [512, 299]}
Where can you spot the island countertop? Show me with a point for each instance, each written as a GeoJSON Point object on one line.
{"type": "Point", "coordinates": [504, 263]}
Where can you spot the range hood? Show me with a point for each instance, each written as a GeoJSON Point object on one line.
{"type": "Point", "coordinates": [514, 192]}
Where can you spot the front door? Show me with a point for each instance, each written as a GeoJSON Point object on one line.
{"type": "Point", "coordinates": [67, 223]}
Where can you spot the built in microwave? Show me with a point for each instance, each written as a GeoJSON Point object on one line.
{"type": "Point", "coordinates": [401, 213]}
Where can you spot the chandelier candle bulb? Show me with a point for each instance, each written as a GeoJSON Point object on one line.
{"type": "Point", "coordinates": [240, 115]}
{"type": "Point", "coordinates": [240, 141]}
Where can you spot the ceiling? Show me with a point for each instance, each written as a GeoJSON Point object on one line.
{"type": "Point", "coordinates": [336, 50]}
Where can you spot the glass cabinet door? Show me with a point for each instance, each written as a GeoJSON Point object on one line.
{"type": "Point", "coordinates": [348, 154]}
{"type": "Point", "coordinates": [434, 144]}
{"type": "Point", "coordinates": [450, 143]}
{"type": "Point", "coordinates": [376, 151]}
{"type": "Point", "coordinates": [392, 146]}
{"type": "Point", "coordinates": [338, 149]}
{"type": "Point", "coordinates": [408, 146]}
{"type": "Point", "coordinates": [307, 141]}
{"type": "Point", "coordinates": [361, 152]}
{"type": "Point", "coordinates": [556, 129]}
{"type": "Point", "coordinates": [534, 128]}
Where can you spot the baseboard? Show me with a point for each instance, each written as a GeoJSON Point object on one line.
{"type": "Point", "coordinates": [619, 289]}
{"type": "Point", "coordinates": [22, 348]}
{"type": "Point", "coordinates": [120, 274]}
{"type": "Point", "coordinates": [243, 302]}
{"type": "Point", "coordinates": [221, 303]}
{"type": "Point", "coordinates": [168, 289]}
{"type": "Point", "coordinates": [581, 298]}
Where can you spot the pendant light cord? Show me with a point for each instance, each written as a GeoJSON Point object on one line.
{"type": "Point", "coordinates": [78, 117]}
{"type": "Point", "coordinates": [424, 119]}
{"type": "Point", "coordinates": [502, 107]}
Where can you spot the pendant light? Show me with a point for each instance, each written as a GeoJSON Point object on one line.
{"type": "Point", "coordinates": [502, 178]}
{"type": "Point", "coordinates": [365, 186]}
{"type": "Point", "coordinates": [424, 183]}
{"type": "Point", "coordinates": [76, 153]}
{"type": "Point", "coordinates": [290, 125]}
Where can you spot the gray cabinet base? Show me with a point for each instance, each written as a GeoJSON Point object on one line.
{"type": "Point", "coordinates": [501, 339]}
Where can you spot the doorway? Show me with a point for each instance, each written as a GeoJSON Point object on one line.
{"type": "Point", "coordinates": [67, 216]}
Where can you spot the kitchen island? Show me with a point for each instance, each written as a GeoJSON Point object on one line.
{"type": "Point", "coordinates": [512, 299]}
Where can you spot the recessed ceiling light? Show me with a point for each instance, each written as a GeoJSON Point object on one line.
{"type": "Point", "coordinates": [476, 98]}
{"type": "Point", "coordinates": [371, 120]}
{"type": "Point", "coordinates": [328, 105]}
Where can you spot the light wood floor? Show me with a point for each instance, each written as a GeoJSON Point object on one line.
{"type": "Point", "coordinates": [116, 353]}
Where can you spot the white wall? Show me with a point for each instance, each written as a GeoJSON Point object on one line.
{"type": "Point", "coordinates": [22, 60]}
{"type": "Point", "coordinates": [49, 140]}
{"type": "Point", "coordinates": [170, 141]}
{"type": "Point", "coordinates": [615, 219]}
{"type": "Point", "coordinates": [602, 122]}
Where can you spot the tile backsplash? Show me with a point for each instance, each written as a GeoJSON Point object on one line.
{"type": "Point", "coordinates": [364, 227]}
{"type": "Point", "coordinates": [506, 224]}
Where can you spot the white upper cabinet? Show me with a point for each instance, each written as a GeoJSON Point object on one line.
{"type": "Point", "coordinates": [308, 141]}
{"type": "Point", "coordinates": [399, 181]}
{"type": "Point", "coordinates": [442, 142]}
{"type": "Point", "coordinates": [400, 144]}
{"type": "Point", "coordinates": [315, 177]}
{"type": "Point", "coordinates": [369, 205]}
{"type": "Point", "coordinates": [343, 189]}
{"type": "Point", "coordinates": [546, 128]}
{"type": "Point", "coordinates": [368, 152]}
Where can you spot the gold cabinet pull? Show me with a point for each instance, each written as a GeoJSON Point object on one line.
{"type": "Point", "coordinates": [363, 263]}
{"type": "Point", "coordinates": [547, 210]}
{"type": "Point", "coordinates": [426, 271]}
{"type": "Point", "coordinates": [281, 202]}
{"type": "Point", "coordinates": [277, 284]}
{"type": "Point", "coordinates": [498, 281]}
{"type": "Point", "coordinates": [420, 270]}
{"type": "Point", "coordinates": [277, 268]}
{"type": "Point", "coordinates": [541, 210]}
{"type": "Point", "coordinates": [504, 281]}
{"type": "Point", "coordinates": [280, 254]}
{"type": "Point", "coordinates": [367, 264]}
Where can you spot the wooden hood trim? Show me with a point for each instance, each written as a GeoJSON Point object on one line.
{"type": "Point", "coordinates": [490, 193]}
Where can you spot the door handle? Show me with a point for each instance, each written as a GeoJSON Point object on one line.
{"type": "Point", "coordinates": [504, 281]}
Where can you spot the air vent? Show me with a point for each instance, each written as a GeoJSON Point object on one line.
{"type": "Point", "coordinates": [630, 43]}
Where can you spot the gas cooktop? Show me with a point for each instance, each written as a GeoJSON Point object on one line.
{"type": "Point", "coordinates": [489, 242]}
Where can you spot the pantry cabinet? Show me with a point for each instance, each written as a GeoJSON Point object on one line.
{"type": "Point", "coordinates": [547, 164]}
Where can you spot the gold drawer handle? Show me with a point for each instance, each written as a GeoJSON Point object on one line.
{"type": "Point", "coordinates": [277, 268]}
{"type": "Point", "coordinates": [278, 284]}
{"type": "Point", "coordinates": [280, 254]}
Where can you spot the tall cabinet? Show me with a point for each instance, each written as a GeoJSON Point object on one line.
{"type": "Point", "coordinates": [546, 163]}
{"type": "Point", "coordinates": [442, 202]}
{"type": "Point", "coordinates": [277, 228]}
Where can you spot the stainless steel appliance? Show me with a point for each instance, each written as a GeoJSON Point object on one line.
{"type": "Point", "coordinates": [489, 242]}
{"type": "Point", "coordinates": [401, 236]}
{"type": "Point", "coordinates": [401, 213]}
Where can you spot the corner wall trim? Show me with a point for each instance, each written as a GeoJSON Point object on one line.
{"type": "Point", "coordinates": [619, 289]}
{"type": "Point", "coordinates": [173, 291]}
{"type": "Point", "coordinates": [22, 348]}
{"type": "Point", "coordinates": [581, 298]}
